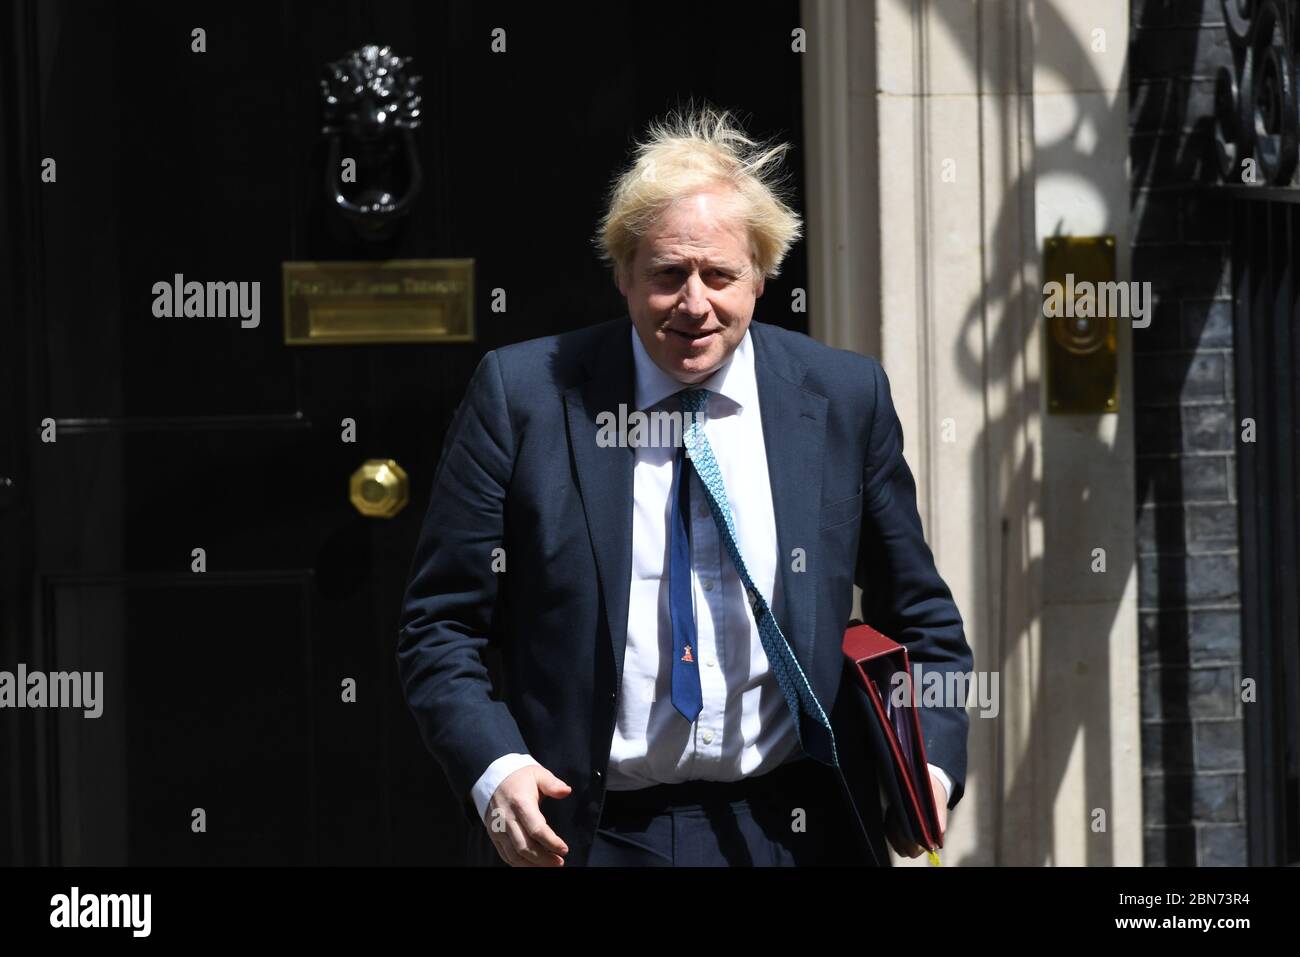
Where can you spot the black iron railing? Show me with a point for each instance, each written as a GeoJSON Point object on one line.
{"type": "Point", "coordinates": [1257, 141]}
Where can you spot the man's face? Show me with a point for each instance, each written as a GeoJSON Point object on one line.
{"type": "Point", "coordinates": [691, 287]}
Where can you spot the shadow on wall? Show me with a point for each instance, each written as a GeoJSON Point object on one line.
{"type": "Point", "coordinates": [993, 326]}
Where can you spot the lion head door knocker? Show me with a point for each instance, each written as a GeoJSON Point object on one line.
{"type": "Point", "coordinates": [371, 111]}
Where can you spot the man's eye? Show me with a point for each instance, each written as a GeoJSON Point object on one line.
{"type": "Point", "coordinates": [677, 271]}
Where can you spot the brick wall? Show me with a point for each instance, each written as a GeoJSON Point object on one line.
{"type": "Point", "coordinates": [1189, 616]}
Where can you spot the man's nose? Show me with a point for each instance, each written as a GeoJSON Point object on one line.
{"type": "Point", "coordinates": [694, 302]}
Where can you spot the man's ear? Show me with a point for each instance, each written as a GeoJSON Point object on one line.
{"type": "Point", "coordinates": [758, 288]}
{"type": "Point", "coordinates": [619, 279]}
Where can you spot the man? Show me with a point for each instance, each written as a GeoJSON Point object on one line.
{"type": "Point", "coordinates": [669, 615]}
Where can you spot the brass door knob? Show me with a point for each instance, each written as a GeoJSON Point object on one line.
{"type": "Point", "coordinates": [379, 488]}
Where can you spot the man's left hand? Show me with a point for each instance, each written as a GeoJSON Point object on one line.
{"type": "Point", "coordinates": [901, 845]}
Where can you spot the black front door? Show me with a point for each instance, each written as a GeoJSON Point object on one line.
{"type": "Point", "coordinates": [174, 492]}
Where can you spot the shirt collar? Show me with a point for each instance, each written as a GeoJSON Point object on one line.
{"type": "Point", "coordinates": [734, 380]}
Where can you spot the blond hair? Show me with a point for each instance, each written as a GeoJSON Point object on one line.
{"type": "Point", "coordinates": [693, 151]}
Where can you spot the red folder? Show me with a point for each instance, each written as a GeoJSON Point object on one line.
{"type": "Point", "coordinates": [884, 673]}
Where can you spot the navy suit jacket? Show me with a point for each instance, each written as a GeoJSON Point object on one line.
{"type": "Point", "coordinates": [521, 470]}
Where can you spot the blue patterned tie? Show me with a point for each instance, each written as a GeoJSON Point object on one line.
{"type": "Point", "coordinates": [793, 682]}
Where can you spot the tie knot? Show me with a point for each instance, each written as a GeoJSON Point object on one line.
{"type": "Point", "coordinates": [694, 400]}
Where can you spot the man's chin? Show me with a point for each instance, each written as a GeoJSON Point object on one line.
{"type": "Point", "coordinates": [690, 364]}
{"type": "Point", "coordinates": [694, 370]}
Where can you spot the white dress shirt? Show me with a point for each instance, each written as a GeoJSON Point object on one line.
{"type": "Point", "coordinates": [745, 727]}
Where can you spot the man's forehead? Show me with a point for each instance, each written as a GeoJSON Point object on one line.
{"type": "Point", "coordinates": [671, 254]}
{"type": "Point", "coordinates": [717, 244]}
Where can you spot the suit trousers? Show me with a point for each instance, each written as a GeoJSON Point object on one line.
{"type": "Point", "coordinates": [794, 816]}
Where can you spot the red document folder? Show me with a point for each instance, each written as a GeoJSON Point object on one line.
{"type": "Point", "coordinates": [880, 665]}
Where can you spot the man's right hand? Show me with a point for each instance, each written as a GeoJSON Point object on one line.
{"type": "Point", "coordinates": [515, 823]}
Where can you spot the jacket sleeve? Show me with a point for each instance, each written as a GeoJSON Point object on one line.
{"type": "Point", "coordinates": [903, 595]}
{"type": "Point", "coordinates": [447, 613]}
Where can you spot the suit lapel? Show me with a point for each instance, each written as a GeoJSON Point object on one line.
{"type": "Point", "coordinates": [794, 429]}
{"type": "Point", "coordinates": [605, 475]}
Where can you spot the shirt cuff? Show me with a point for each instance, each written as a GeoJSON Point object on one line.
{"type": "Point", "coordinates": [491, 779]}
{"type": "Point", "coordinates": [946, 781]}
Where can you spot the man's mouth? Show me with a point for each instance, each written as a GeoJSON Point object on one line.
{"type": "Point", "coordinates": [692, 335]}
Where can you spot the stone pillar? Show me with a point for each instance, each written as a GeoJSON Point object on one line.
{"type": "Point", "coordinates": [944, 141]}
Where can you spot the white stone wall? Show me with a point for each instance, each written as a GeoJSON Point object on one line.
{"type": "Point", "coordinates": [945, 140]}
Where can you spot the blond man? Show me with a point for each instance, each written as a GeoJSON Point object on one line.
{"type": "Point", "coordinates": [670, 614]}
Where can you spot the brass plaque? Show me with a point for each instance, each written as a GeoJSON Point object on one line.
{"type": "Point", "coordinates": [395, 300]}
{"type": "Point", "coordinates": [1080, 301]}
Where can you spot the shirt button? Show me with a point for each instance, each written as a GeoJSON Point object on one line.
{"type": "Point", "coordinates": [712, 662]}
{"type": "Point", "coordinates": [708, 737]}
{"type": "Point", "coordinates": [708, 584]}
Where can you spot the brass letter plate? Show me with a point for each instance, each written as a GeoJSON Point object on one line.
{"type": "Point", "coordinates": [395, 300]}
